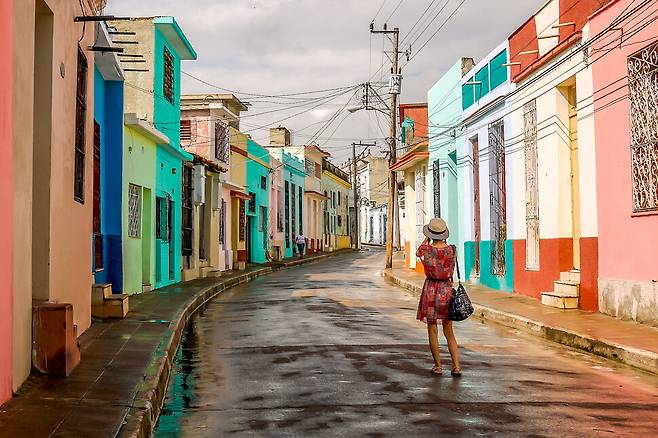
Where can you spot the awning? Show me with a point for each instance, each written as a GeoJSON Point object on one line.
{"type": "Point", "coordinates": [316, 195]}
{"type": "Point", "coordinates": [240, 195]}
{"type": "Point", "coordinates": [411, 158]}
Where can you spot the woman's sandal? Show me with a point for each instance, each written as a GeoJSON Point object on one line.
{"type": "Point", "coordinates": [436, 369]}
{"type": "Point", "coordinates": [456, 372]}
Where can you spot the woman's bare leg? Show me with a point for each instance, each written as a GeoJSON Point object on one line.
{"type": "Point", "coordinates": [452, 343]}
{"type": "Point", "coordinates": [433, 334]}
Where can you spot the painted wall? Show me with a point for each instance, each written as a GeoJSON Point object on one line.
{"type": "Point", "coordinates": [554, 187]}
{"type": "Point", "coordinates": [486, 105]}
{"type": "Point", "coordinates": [138, 252]}
{"type": "Point", "coordinates": [239, 178]}
{"type": "Point", "coordinates": [6, 200]}
{"type": "Point", "coordinates": [257, 168]}
{"type": "Point", "coordinates": [628, 242]}
{"type": "Point", "coordinates": [444, 101]}
{"type": "Point", "coordinates": [336, 207]}
{"type": "Point", "coordinates": [276, 220]}
{"type": "Point", "coordinates": [108, 112]}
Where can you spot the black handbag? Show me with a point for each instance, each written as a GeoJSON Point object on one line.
{"type": "Point", "coordinates": [460, 307]}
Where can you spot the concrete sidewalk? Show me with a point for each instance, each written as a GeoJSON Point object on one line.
{"type": "Point", "coordinates": [628, 342]}
{"type": "Point", "coordinates": [119, 386]}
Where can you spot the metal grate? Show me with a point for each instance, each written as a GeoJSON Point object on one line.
{"type": "Point", "coordinates": [186, 130]}
{"type": "Point", "coordinates": [531, 187]}
{"type": "Point", "coordinates": [643, 95]}
{"type": "Point", "coordinates": [287, 214]}
{"type": "Point", "coordinates": [168, 79]}
{"type": "Point", "coordinates": [134, 210]}
{"type": "Point", "coordinates": [187, 229]}
{"type": "Point", "coordinates": [222, 142]}
{"type": "Point", "coordinates": [497, 196]}
{"type": "Point", "coordinates": [222, 222]}
{"type": "Point", "coordinates": [436, 174]}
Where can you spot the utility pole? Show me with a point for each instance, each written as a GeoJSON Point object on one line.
{"type": "Point", "coordinates": [357, 213]}
{"type": "Point", "coordinates": [394, 91]}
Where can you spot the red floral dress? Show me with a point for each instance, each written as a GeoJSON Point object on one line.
{"type": "Point", "coordinates": [439, 264]}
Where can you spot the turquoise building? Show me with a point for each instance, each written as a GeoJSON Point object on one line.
{"type": "Point", "coordinates": [485, 180]}
{"type": "Point", "coordinates": [153, 90]}
{"type": "Point", "coordinates": [293, 182]}
{"type": "Point", "coordinates": [444, 101]}
{"type": "Point", "coordinates": [258, 188]}
{"type": "Point", "coordinates": [108, 164]}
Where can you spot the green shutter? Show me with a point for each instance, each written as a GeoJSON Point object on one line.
{"type": "Point", "coordinates": [482, 88]}
{"type": "Point", "coordinates": [467, 95]}
{"type": "Point", "coordinates": [498, 71]}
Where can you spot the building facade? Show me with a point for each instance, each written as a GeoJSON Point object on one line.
{"type": "Point", "coordinates": [444, 116]}
{"type": "Point", "coordinates": [626, 129]}
{"type": "Point", "coordinates": [336, 187]}
{"type": "Point", "coordinates": [163, 46]}
{"type": "Point", "coordinates": [258, 189]}
{"type": "Point", "coordinates": [372, 179]}
{"type": "Point", "coordinates": [413, 165]}
{"type": "Point", "coordinates": [6, 198]}
{"type": "Point", "coordinates": [553, 221]}
{"type": "Point", "coordinates": [239, 197]}
{"type": "Point", "coordinates": [108, 157]}
{"type": "Point", "coordinates": [483, 172]}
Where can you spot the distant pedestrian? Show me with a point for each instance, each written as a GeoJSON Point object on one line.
{"type": "Point", "coordinates": [438, 259]}
{"type": "Point", "coordinates": [301, 243]}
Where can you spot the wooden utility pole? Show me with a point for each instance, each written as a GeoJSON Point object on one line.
{"type": "Point", "coordinates": [395, 90]}
{"type": "Point", "coordinates": [356, 200]}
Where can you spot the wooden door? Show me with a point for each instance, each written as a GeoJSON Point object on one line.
{"type": "Point", "coordinates": [575, 185]}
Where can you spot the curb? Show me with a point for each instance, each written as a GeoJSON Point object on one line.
{"type": "Point", "coordinates": [144, 412]}
{"type": "Point", "coordinates": [635, 357]}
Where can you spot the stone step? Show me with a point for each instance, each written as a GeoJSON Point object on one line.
{"type": "Point", "coordinates": [206, 270]}
{"type": "Point", "coordinates": [147, 287]}
{"type": "Point", "coordinates": [567, 287]}
{"type": "Point", "coordinates": [115, 306]}
{"type": "Point", "coordinates": [100, 292]}
{"type": "Point", "coordinates": [573, 275]}
{"type": "Point", "coordinates": [214, 274]}
{"type": "Point", "coordinates": [559, 300]}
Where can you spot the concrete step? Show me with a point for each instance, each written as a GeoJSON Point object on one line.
{"type": "Point", "coordinates": [100, 292]}
{"type": "Point", "coordinates": [214, 274]}
{"type": "Point", "coordinates": [573, 275]}
{"type": "Point", "coordinates": [559, 300]}
{"type": "Point", "coordinates": [567, 287]}
{"type": "Point", "coordinates": [206, 270]}
{"type": "Point", "coordinates": [147, 287]}
{"type": "Point", "coordinates": [115, 306]}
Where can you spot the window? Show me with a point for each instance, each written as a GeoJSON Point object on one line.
{"type": "Point", "coordinates": [252, 202]}
{"type": "Point", "coordinates": [186, 130]}
{"type": "Point", "coordinates": [161, 218]}
{"type": "Point", "coordinates": [262, 219]}
{"type": "Point", "coordinates": [242, 222]}
{"type": "Point", "coordinates": [642, 80]}
{"type": "Point", "coordinates": [263, 182]}
{"type": "Point", "coordinates": [80, 131]}
{"type": "Point", "coordinates": [98, 238]}
{"type": "Point", "coordinates": [301, 202]}
{"type": "Point", "coordinates": [293, 204]}
{"type": "Point", "coordinates": [436, 174]}
{"type": "Point", "coordinates": [222, 143]}
{"type": "Point", "coordinates": [318, 170]}
{"type": "Point", "coordinates": [202, 231]}
{"type": "Point", "coordinates": [309, 166]}
{"type": "Point", "coordinates": [340, 220]}
{"type": "Point", "coordinates": [168, 79]}
{"type": "Point", "coordinates": [279, 211]}
{"type": "Point", "coordinates": [134, 210]}
{"type": "Point", "coordinates": [187, 229]}
{"type": "Point", "coordinates": [287, 213]}
{"type": "Point", "coordinates": [222, 222]}
{"type": "Point", "coordinates": [339, 199]}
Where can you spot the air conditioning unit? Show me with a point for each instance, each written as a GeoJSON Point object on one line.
{"type": "Point", "coordinates": [199, 182]}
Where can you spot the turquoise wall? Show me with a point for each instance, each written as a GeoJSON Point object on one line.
{"type": "Point", "coordinates": [503, 282]}
{"type": "Point", "coordinates": [444, 111]}
{"type": "Point", "coordinates": [258, 223]}
{"type": "Point", "coordinates": [169, 159]}
{"type": "Point", "coordinates": [293, 173]}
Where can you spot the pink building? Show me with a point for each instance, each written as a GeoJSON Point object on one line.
{"type": "Point", "coordinates": [625, 77]}
{"type": "Point", "coordinates": [6, 200]}
{"type": "Point", "coordinates": [53, 132]}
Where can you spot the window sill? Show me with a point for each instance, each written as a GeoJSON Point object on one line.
{"type": "Point", "coordinates": [645, 213]}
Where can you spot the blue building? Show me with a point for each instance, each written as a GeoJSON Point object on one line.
{"type": "Point", "coordinates": [258, 188]}
{"type": "Point", "coordinates": [108, 163]}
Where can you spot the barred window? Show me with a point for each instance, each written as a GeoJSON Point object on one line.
{"type": "Point", "coordinates": [80, 129]}
{"type": "Point", "coordinates": [318, 170]}
{"type": "Point", "coordinates": [263, 182]}
{"type": "Point", "coordinates": [222, 143]}
{"type": "Point", "coordinates": [643, 93]}
{"type": "Point", "coordinates": [187, 210]}
{"type": "Point", "coordinates": [134, 210]}
{"type": "Point", "coordinates": [309, 167]}
{"type": "Point", "coordinates": [168, 80]}
{"type": "Point", "coordinates": [222, 222]}
{"type": "Point", "coordinates": [252, 202]}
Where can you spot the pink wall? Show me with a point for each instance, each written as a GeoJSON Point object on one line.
{"type": "Point", "coordinates": [6, 199]}
{"type": "Point", "coordinates": [628, 244]}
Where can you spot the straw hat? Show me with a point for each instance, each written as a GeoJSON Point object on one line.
{"type": "Point", "coordinates": [436, 229]}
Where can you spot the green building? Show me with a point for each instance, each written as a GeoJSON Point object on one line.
{"type": "Point", "coordinates": [258, 187]}
{"type": "Point", "coordinates": [153, 90]}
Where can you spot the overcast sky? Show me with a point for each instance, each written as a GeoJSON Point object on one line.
{"type": "Point", "coordinates": [270, 47]}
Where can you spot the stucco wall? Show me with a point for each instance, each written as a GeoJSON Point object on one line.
{"type": "Point", "coordinates": [255, 171]}
{"type": "Point", "coordinates": [628, 243]}
{"type": "Point", "coordinates": [6, 200]}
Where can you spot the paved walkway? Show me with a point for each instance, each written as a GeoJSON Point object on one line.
{"type": "Point", "coordinates": [333, 350]}
{"type": "Point", "coordinates": [124, 366]}
{"type": "Point", "coordinates": [629, 342]}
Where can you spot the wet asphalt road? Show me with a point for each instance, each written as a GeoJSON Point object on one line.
{"type": "Point", "coordinates": [331, 349]}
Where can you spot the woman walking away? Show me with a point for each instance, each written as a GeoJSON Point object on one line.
{"type": "Point", "coordinates": [301, 243]}
{"type": "Point", "coordinates": [439, 262]}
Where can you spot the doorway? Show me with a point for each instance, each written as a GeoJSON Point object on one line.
{"type": "Point", "coordinates": [477, 230]}
{"type": "Point", "coordinates": [146, 238]}
{"type": "Point", "coordinates": [247, 240]}
{"type": "Point", "coordinates": [574, 174]}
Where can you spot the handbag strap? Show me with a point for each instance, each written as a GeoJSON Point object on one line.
{"type": "Point", "coordinates": [459, 275]}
